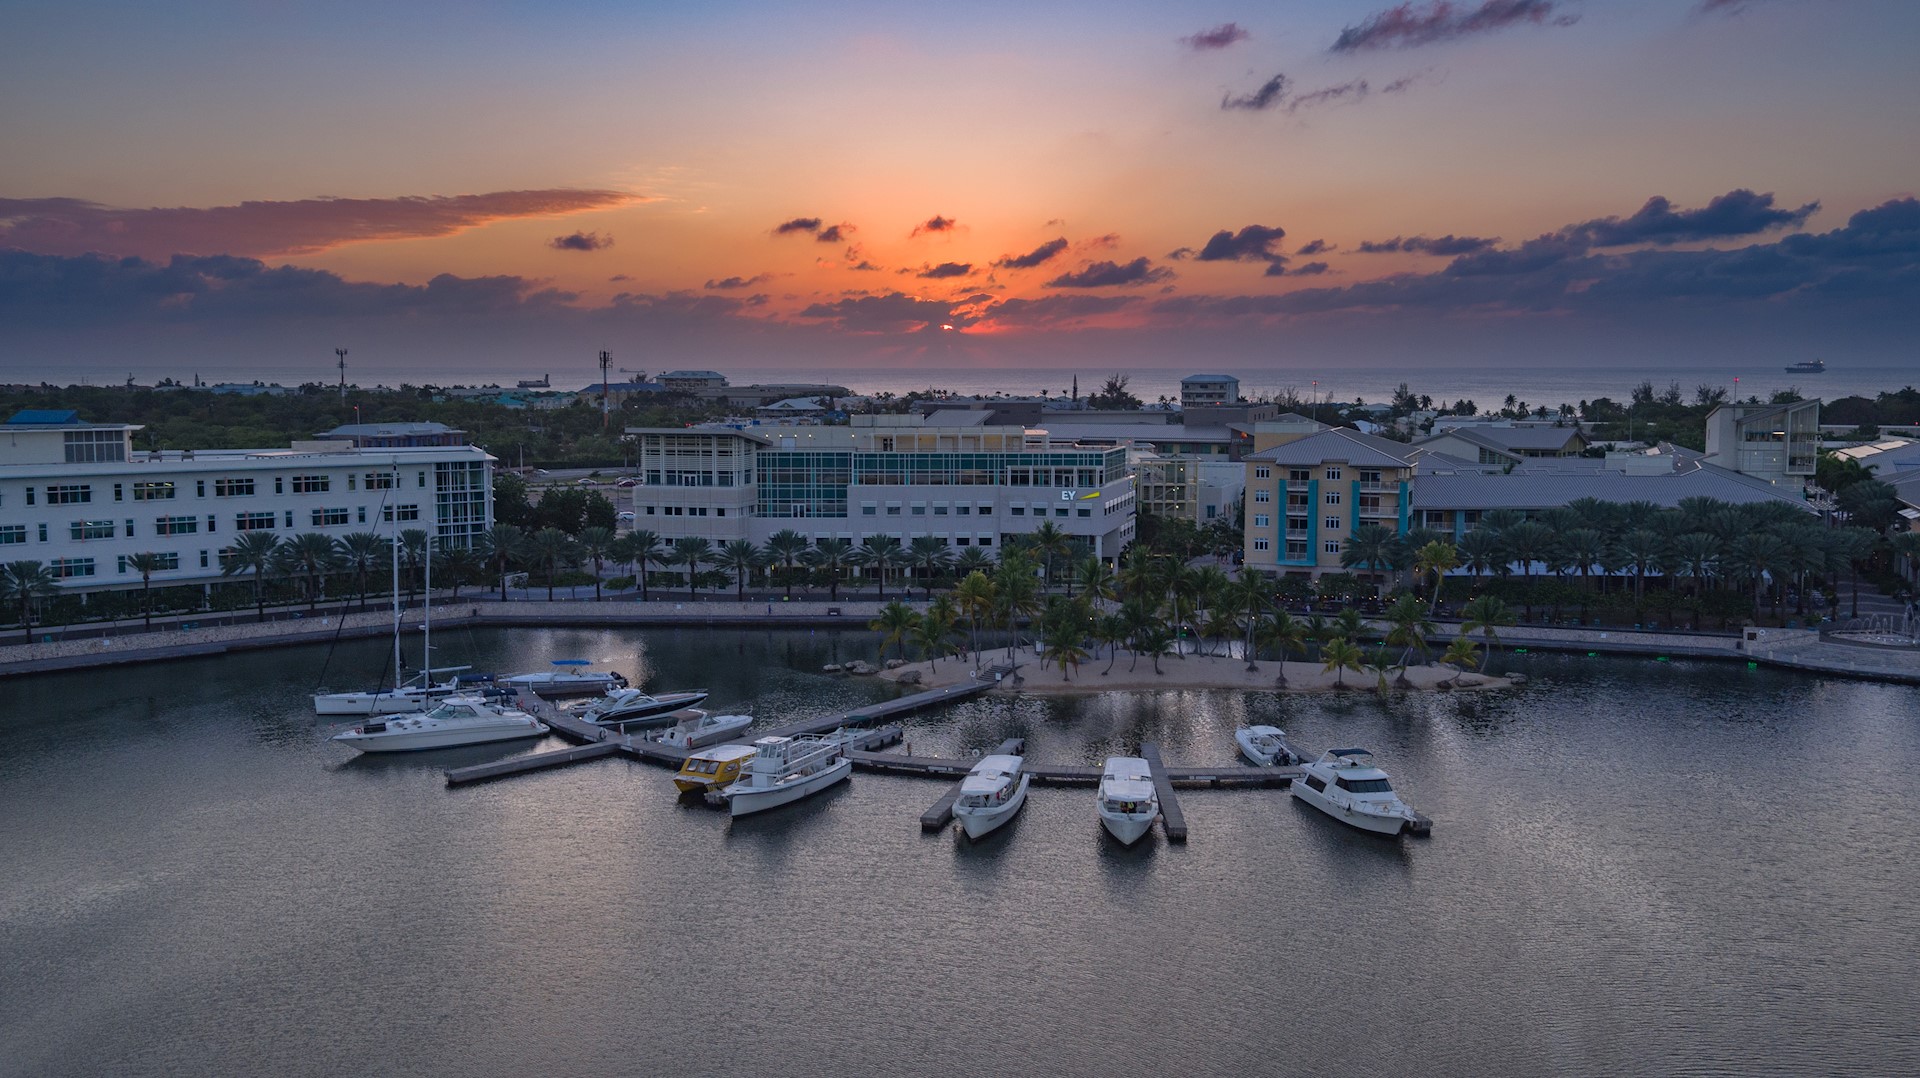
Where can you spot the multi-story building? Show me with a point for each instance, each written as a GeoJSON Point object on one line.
{"type": "Point", "coordinates": [80, 499]}
{"type": "Point", "coordinates": [1187, 487]}
{"type": "Point", "coordinates": [950, 475]}
{"type": "Point", "coordinates": [1308, 493]}
{"type": "Point", "coordinates": [688, 381]}
{"type": "Point", "coordinates": [1774, 442]}
{"type": "Point", "coordinates": [1201, 390]}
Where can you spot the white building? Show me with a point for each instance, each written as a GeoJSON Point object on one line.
{"type": "Point", "coordinates": [1202, 390]}
{"type": "Point", "coordinates": [80, 499]}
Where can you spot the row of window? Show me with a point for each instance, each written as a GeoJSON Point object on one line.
{"type": "Point", "coordinates": [157, 490]}
{"type": "Point", "coordinates": [1297, 549]}
{"type": "Point", "coordinates": [86, 530]}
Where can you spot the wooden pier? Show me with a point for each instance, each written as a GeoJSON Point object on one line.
{"type": "Point", "coordinates": [941, 814]}
{"type": "Point", "coordinates": [1172, 820]}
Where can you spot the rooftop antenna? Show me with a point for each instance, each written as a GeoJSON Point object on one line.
{"type": "Point", "coordinates": [606, 358]}
{"type": "Point", "coordinates": [342, 353]}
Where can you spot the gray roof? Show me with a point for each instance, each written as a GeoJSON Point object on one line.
{"type": "Point", "coordinates": [1513, 439]}
{"type": "Point", "coordinates": [365, 430]}
{"type": "Point", "coordinates": [1339, 444]}
{"type": "Point", "coordinates": [1136, 432]}
{"type": "Point", "coordinates": [1548, 489]}
{"type": "Point", "coordinates": [1213, 378]}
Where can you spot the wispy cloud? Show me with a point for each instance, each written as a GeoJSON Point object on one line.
{"type": "Point", "coordinates": [1448, 245]}
{"type": "Point", "coordinates": [306, 226]}
{"type": "Point", "coordinates": [1219, 37]}
{"type": "Point", "coordinates": [581, 241]}
{"type": "Point", "coordinates": [1410, 26]}
{"type": "Point", "coordinates": [1270, 93]}
{"type": "Point", "coordinates": [1346, 91]}
{"type": "Point", "coordinates": [729, 283]}
{"type": "Point", "coordinates": [835, 233]}
{"type": "Point", "coordinates": [945, 270]}
{"type": "Point", "coordinates": [1032, 258]}
{"type": "Point", "coordinates": [809, 225]}
{"type": "Point", "coordinates": [1737, 213]}
{"type": "Point", "coordinates": [1112, 274]}
{"type": "Point", "coordinates": [934, 225]}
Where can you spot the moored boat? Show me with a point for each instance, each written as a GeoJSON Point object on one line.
{"type": "Point", "coordinates": [700, 728]}
{"type": "Point", "coordinates": [1127, 802]}
{"type": "Point", "coordinates": [455, 721]}
{"type": "Point", "coordinates": [712, 769]}
{"type": "Point", "coordinates": [784, 770]}
{"type": "Point", "coordinates": [568, 678]}
{"type": "Point", "coordinates": [1345, 784]}
{"type": "Point", "coordinates": [1264, 745]}
{"type": "Point", "coordinates": [623, 706]}
{"type": "Point", "coordinates": [991, 794]}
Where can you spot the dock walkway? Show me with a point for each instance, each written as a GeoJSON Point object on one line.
{"type": "Point", "coordinates": [1172, 820]}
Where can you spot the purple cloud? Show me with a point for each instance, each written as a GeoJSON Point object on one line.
{"type": "Point", "coordinates": [934, 224]}
{"type": "Point", "coordinates": [581, 241]}
{"type": "Point", "coordinates": [1270, 93]}
{"type": "Point", "coordinates": [1448, 246]}
{"type": "Point", "coordinates": [945, 270]}
{"type": "Point", "coordinates": [1407, 26]}
{"type": "Point", "coordinates": [1111, 275]}
{"type": "Point", "coordinates": [1217, 38]}
{"type": "Point", "coordinates": [1034, 257]}
{"type": "Point", "coordinates": [797, 224]}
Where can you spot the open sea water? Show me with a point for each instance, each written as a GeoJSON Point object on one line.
{"type": "Point", "coordinates": [1636, 868]}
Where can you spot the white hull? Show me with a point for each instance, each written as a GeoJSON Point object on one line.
{"type": "Point", "coordinates": [1378, 823]}
{"type": "Point", "coordinates": [742, 801]}
{"type": "Point", "coordinates": [1128, 829]}
{"type": "Point", "coordinates": [979, 822]}
{"type": "Point", "coordinates": [549, 685]}
{"type": "Point", "coordinates": [1252, 751]}
{"type": "Point", "coordinates": [660, 712]}
{"type": "Point", "coordinates": [721, 729]}
{"type": "Point", "coordinates": [369, 703]}
{"type": "Point", "coordinates": [416, 740]}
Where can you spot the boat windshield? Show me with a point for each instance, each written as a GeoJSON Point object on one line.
{"type": "Point", "coordinates": [702, 767]}
{"type": "Point", "coordinates": [1128, 807]}
{"type": "Point", "coordinates": [1365, 786]}
{"type": "Point", "coordinates": [452, 711]}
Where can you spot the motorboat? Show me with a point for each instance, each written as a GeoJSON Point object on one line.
{"type": "Point", "coordinates": [784, 770]}
{"type": "Point", "coordinates": [454, 721]}
{"type": "Point", "coordinates": [1128, 803]}
{"type": "Point", "coordinates": [1810, 366]}
{"type": "Point", "coordinates": [699, 729]}
{"type": "Point", "coordinates": [1264, 745]}
{"type": "Point", "coordinates": [991, 794]}
{"type": "Point", "coordinates": [568, 678]}
{"type": "Point", "coordinates": [1345, 784]}
{"type": "Point", "coordinates": [711, 769]}
{"type": "Point", "coordinates": [623, 705]}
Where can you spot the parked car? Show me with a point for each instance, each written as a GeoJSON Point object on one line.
{"type": "Point", "coordinates": [626, 516]}
{"type": "Point", "coordinates": [626, 481]}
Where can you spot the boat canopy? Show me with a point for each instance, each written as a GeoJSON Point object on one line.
{"type": "Point", "coordinates": [1127, 790]}
{"type": "Point", "coordinates": [573, 662]}
{"type": "Point", "coordinates": [1348, 752]}
{"type": "Point", "coordinates": [723, 753]}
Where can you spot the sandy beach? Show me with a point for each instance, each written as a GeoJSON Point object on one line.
{"type": "Point", "coordinates": [1191, 672]}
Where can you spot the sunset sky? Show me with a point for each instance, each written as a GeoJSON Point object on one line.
{"type": "Point", "coordinates": [492, 185]}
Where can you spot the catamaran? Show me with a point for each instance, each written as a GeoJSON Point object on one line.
{"type": "Point", "coordinates": [1346, 785]}
{"type": "Point", "coordinates": [712, 769]}
{"type": "Point", "coordinates": [1127, 801]}
{"type": "Point", "coordinates": [784, 770]}
{"type": "Point", "coordinates": [991, 794]}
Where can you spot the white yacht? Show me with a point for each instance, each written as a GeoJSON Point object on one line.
{"type": "Point", "coordinates": [700, 729]}
{"type": "Point", "coordinates": [1346, 785]}
{"type": "Point", "coordinates": [455, 721]}
{"type": "Point", "coordinates": [784, 770]}
{"type": "Point", "coordinates": [991, 794]}
{"type": "Point", "coordinates": [568, 678]}
{"type": "Point", "coordinates": [624, 705]}
{"type": "Point", "coordinates": [418, 694]}
{"type": "Point", "coordinates": [1127, 803]}
{"type": "Point", "coordinates": [1264, 745]}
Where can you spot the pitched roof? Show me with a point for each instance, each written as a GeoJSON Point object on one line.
{"type": "Point", "coordinates": [1549, 489]}
{"type": "Point", "coordinates": [1512, 439]}
{"type": "Point", "coordinates": [1339, 444]}
{"type": "Point", "coordinates": [43, 417]}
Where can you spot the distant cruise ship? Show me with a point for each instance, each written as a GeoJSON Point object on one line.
{"type": "Point", "coordinates": [1812, 366]}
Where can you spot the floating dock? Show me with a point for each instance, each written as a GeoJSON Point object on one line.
{"type": "Point", "coordinates": [1172, 820]}
{"type": "Point", "coordinates": [941, 814]}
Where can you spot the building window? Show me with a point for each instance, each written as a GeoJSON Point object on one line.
{"type": "Point", "coordinates": [279, 484]}
{"type": "Point", "coordinates": [1262, 494]}
{"type": "Point", "coordinates": [233, 488]}
{"type": "Point", "coordinates": [311, 484]}
{"type": "Point", "coordinates": [200, 490]}
{"type": "Point", "coordinates": [1331, 546]}
{"type": "Point", "coordinates": [67, 568]}
{"type": "Point", "coordinates": [381, 480]}
{"type": "Point", "coordinates": [43, 533]}
{"type": "Point", "coordinates": [986, 511]}
{"type": "Point", "coordinates": [1056, 512]}
{"type": "Point", "coordinates": [893, 510]}
{"type": "Point", "coordinates": [12, 533]}
{"type": "Point", "coordinates": [919, 510]}
{"type": "Point", "coordinates": [1331, 524]}
{"type": "Point", "coordinates": [362, 513]}
{"type": "Point", "coordinates": [1017, 510]}
{"type": "Point", "coordinates": [90, 529]}
{"type": "Point", "coordinates": [407, 512]}
{"type": "Point", "coordinates": [168, 560]}
{"type": "Point", "coordinates": [203, 559]}
{"type": "Point", "coordinates": [1262, 520]}
{"type": "Point", "coordinates": [1296, 548]}
{"type": "Point", "coordinates": [95, 447]}
{"type": "Point", "coordinates": [868, 509]}
{"type": "Point", "coordinates": [153, 492]}
{"type": "Point", "coordinates": [252, 522]}
{"type": "Point", "coordinates": [1333, 497]}
{"type": "Point", "coordinates": [69, 494]}
{"type": "Point", "coordinates": [963, 510]}
{"type": "Point", "coordinates": [939, 510]}
{"type": "Point", "coordinates": [1299, 475]}
{"type": "Point", "coordinates": [329, 518]}
{"type": "Point", "coordinates": [175, 525]}
{"type": "Point", "coordinates": [1370, 475]}
{"type": "Point", "coordinates": [1262, 544]}
{"type": "Point", "coordinates": [1333, 473]}
{"type": "Point", "coordinates": [1261, 471]}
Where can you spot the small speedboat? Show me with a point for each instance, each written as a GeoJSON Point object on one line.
{"type": "Point", "coordinates": [1264, 745]}
{"type": "Point", "coordinates": [1128, 803]}
{"type": "Point", "coordinates": [701, 728]}
{"type": "Point", "coordinates": [623, 705]}
{"type": "Point", "coordinates": [784, 770]}
{"type": "Point", "coordinates": [712, 769]}
{"type": "Point", "coordinates": [1345, 784]}
{"type": "Point", "coordinates": [991, 794]}
{"type": "Point", "coordinates": [568, 678]}
{"type": "Point", "coordinates": [455, 721]}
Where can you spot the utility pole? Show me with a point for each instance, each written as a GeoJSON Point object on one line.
{"type": "Point", "coordinates": [342, 353]}
{"type": "Point", "coordinates": [606, 358]}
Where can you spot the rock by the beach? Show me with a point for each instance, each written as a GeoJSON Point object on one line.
{"type": "Point", "coordinates": [1517, 679]}
{"type": "Point", "coordinates": [833, 668]}
{"type": "Point", "coordinates": [911, 677]}
{"type": "Point", "coordinates": [861, 666]}
{"type": "Point", "coordinates": [895, 664]}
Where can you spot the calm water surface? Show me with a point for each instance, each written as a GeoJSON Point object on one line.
{"type": "Point", "coordinates": [1636, 867]}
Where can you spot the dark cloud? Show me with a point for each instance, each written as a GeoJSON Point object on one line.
{"type": "Point", "coordinates": [945, 269]}
{"type": "Point", "coordinates": [1217, 38]}
{"type": "Point", "coordinates": [729, 283]}
{"type": "Point", "coordinates": [1315, 247]}
{"type": "Point", "coordinates": [1111, 274]}
{"type": "Point", "coordinates": [1355, 90]}
{"type": "Point", "coordinates": [1270, 93]}
{"type": "Point", "coordinates": [581, 241]}
{"type": "Point", "coordinates": [934, 224]}
{"type": "Point", "coordinates": [1448, 246]}
{"type": "Point", "coordinates": [1254, 243]}
{"type": "Point", "coordinates": [893, 312]}
{"type": "Point", "coordinates": [1034, 257]}
{"type": "Point", "coordinates": [797, 224]}
{"type": "Point", "coordinates": [1409, 26]}
{"type": "Point", "coordinates": [72, 226]}
{"type": "Point", "coordinates": [865, 266]}
{"type": "Point", "coordinates": [1310, 269]}
{"type": "Point", "coordinates": [1736, 213]}
{"type": "Point", "coordinates": [835, 233]}
{"type": "Point", "coordinates": [619, 277]}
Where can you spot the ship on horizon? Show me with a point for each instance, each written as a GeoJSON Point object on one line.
{"type": "Point", "coordinates": [1811, 366]}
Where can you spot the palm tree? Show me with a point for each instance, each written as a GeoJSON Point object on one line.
{"type": "Point", "coordinates": [1528, 543]}
{"type": "Point", "coordinates": [645, 545]}
{"type": "Point", "coordinates": [975, 595]}
{"type": "Point", "coordinates": [829, 555]}
{"type": "Point", "coordinates": [1111, 630]}
{"type": "Point", "coordinates": [502, 545]}
{"type": "Point", "coordinates": [931, 555]}
{"type": "Point", "coordinates": [692, 552]}
{"type": "Point", "coordinates": [1247, 597]}
{"type": "Point", "coordinates": [1016, 593]}
{"type": "Point", "coordinates": [360, 554]}
{"type": "Point", "coordinates": [973, 560]}
{"type": "Point", "coordinates": [1153, 640]}
{"type": "Point", "coordinates": [786, 546]}
{"type": "Point", "coordinates": [312, 555]}
{"type": "Point", "coordinates": [740, 557]}
{"type": "Point", "coordinates": [1439, 559]}
{"type": "Point", "coordinates": [873, 554]}
{"type": "Point", "coordinates": [937, 629]}
{"type": "Point", "coordinates": [1096, 580]}
{"type": "Point", "coordinates": [1460, 655]}
{"type": "Point", "coordinates": [413, 555]}
{"type": "Point", "coordinates": [1142, 577]}
{"type": "Point", "coordinates": [1759, 555]}
{"type": "Point", "coordinates": [1641, 548]}
{"type": "Point", "coordinates": [146, 564]}
{"type": "Point", "coordinates": [1285, 633]}
{"type": "Point", "coordinates": [26, 583]}
{"type": "Point", "coordinates": [594, 544]}
{"type": "Point", "coordinates": [1341, 657]}
{"type": "Point", "coordinates": [457, 564]}
{"type": "Point", "coordinates": [1484, 614]}
{"type": "Point", "coordinates": [547, 550]}
{"type": "Point", "coordinates": [895, 623]}
{"type": "Point", "coordinates": [1410, 630]}
{"type": "Point", "coordinates": [1049, 540]}
{"type": "Point", "coordinates": [1370, 547]}
{"type": "Point", "coordinates": [251, 552]}
{"type": "Point", "coordinates": [1480, 552]}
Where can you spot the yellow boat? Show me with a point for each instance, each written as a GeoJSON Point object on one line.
{"type": "Point", "coordinates": [711, 769]}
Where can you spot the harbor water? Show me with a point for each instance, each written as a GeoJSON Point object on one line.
{"type": "Point", "coordinates": [1636, 867]}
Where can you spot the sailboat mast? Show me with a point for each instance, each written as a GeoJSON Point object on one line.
{"type": "Point", "coordinates": [395, 544]}
{"type": "Point", "coordinates": [426, 619]}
